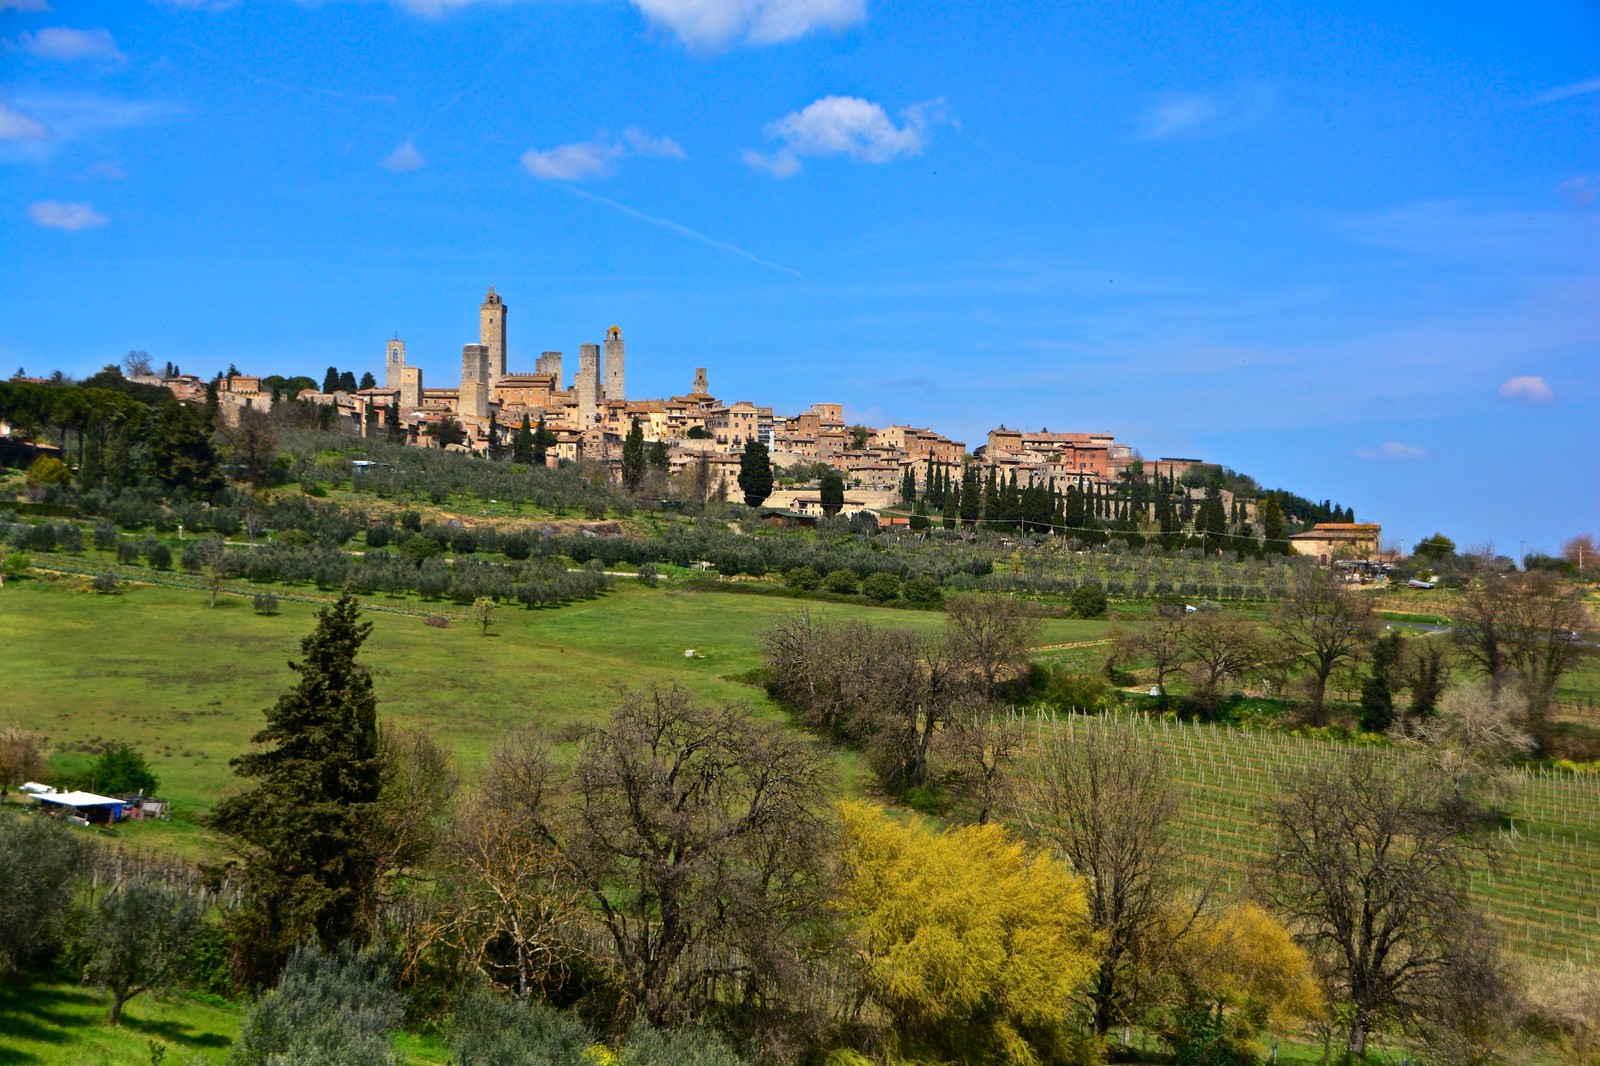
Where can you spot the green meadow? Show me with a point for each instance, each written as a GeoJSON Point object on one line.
{"type": "Point", "coordinates": [186, 683]}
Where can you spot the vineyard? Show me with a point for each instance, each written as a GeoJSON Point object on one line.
{"type": "Point", "coordinates": [1539, 879]}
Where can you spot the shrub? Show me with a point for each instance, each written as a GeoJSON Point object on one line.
{"type": "Point", "coordinates": [1089, 599]}
{"type": "Point", "coordinates": [104, 536]}
{"type": "Point", "coordinates": [802, 579]}
{"type": "Point", "coordinates": [329, 1010]}
{"type": "Point", "coordinates": [648, 575]}
{"type": "Point", "coordinates": [843, 581]}
{"type": "Point", "coordinates": [158, 554]}
{"type": "Point", "coordinates": [378, 536]}
{"type": "Point", "coordinates": [105, 583]}
{"type": "Point", "coordinates": [70, 537]}
{"type": "Point", "coordinates": [266, 603]}
{"type": "Point", "coordinates": [881, 587]}
{"type": "Point", "coordinates": [921, 589]}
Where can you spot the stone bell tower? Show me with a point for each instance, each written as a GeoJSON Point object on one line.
{"type": "Point", "coordinates": [614, 363]}
{"type": "Point", "coordinates": [492, 334]}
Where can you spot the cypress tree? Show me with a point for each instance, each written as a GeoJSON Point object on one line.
{"type": "Point", "coordinates": [952, 509]}
{"type": "Point", "coordinates": [330, 380]}
{"type": "Point", "coordinates": [541, 441]}
{"type": "Point", "coordinates": [522, 444]}
{"type": "Point", "coordinates": [755, 474]}
{"type": "Point", "coordinates": [496, 444]}
{"type": "Point", "coordinates": [908, 487]}
{"type": "Point", "coordinates": [308, 870]}
{"type": "Point", "coordinates": [396, 429]}
{"type": "Point", "coordinates": [633, 458]}
{"type": "Point", "coordinates": [971, 497]}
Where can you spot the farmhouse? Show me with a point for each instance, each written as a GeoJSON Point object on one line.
{"type": "Point", "coordinates": [1338, 540]}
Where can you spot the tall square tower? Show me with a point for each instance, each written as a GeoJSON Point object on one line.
{"type": "Point", "coordinates": [492, 333]}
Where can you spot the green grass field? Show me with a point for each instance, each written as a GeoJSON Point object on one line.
{"type": "Point", "coordinates": [186, 683]}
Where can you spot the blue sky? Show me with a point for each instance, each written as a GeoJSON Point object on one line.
{"type": "Point", "coordinates": [1351, 248]}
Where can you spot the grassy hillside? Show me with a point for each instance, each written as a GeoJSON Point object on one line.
{"type": "Point", "coordinates": [186, 684]}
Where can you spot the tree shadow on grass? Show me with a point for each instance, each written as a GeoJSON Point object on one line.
{"type": "Point", "coordinates": [38, 1015]}
{"type": "Point", "coordinates": [176, 1032]}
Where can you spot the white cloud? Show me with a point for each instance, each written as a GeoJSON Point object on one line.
{"type": "Point", "coordinates": [63, 43]}
{"type": "Point", "coordinates": [1530, 387]}
{"type": "Point", "coordinates": [24, 5]}
{"type": "Point", "coordinates": [572, 162]}
{"type": "Point", "coordinates": [1580, 191]}
{"type": "Point", "coordinates": [719, 23]}
{"type": "Point", "coordinates": [1392, 449]}
{"type": "Point", "coordinates": [848, 126]}
{"type": "Point", "coordinates": [594, 159]}
{"type": "Point", "coordinates": [56, 215]}
{"type": "Point", "coordinates": [405, 157]}
{"type": "Point", "coordinates": [641, 143]}
{"type": "Point", "coordinates": [1206, 114]}
{"type": "Point", "coordinates": [1566, 92]}
{"type": "Point", "coordinates": [15, 126]}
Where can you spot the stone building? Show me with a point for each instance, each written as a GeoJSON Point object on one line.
{"type": "Point", "coordinates": [615, 364]}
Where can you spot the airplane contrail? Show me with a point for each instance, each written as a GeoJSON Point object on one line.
{"type": "Point", "coordinates": [683, 231]}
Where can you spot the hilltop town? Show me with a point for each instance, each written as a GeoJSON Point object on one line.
{"type": "Point", "coordinates": [589, 415]}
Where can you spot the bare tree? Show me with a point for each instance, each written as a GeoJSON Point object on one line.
{"type": "Point", "coordinates": [1324, 625]}
{"type": "Point", "coordinates": [990, 636]}
{"type": "Point", "coordinates": [136, 364]}
{"type": "Point", "coordinates": [21, 757]}
{"type": "Point", "coordinates": [1104, 801]}
{"type": "Point", "coordinates": [976, 752]}
{"type": "Point", "coordinates": [1371, 869]}
{"type": "Point", "coordinates": [1220, 647]}
{"type": "Point", "coordinates": [1162, 643]}
{"type": "Point", "coordinates": [417, 786]}
{"type": "Point", "coordinates": [1524, 628]}
{"type": "Point", "coordinates": [697, 838]}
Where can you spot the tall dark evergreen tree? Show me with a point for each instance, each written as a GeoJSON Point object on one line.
{"type": "Point", "coordinates": [831, 489]}
{"type": "Point", "coordinates": [633, 458]}
{"type": "Point", "coordinates": [952, 509]}
{"type": "Point", "coordinates": [755, 473]}
{"type": "Point", "coordinates": [347, 381]}
{"type": "Point", "coordinates": [330, 380]}
{"type": "Point", "coordinates": [908, 487]}
{"type": "Point", "coordinates": [308, 870]}
{"type": "Point", "coordinates": [368, 381]}
{"type": "Point", "coordinates": [971, 500]}
{"type": "Point", "coordinates": [1377, 688]}
{"type": "Point", "coordinates": [496, 444]}
{"type": "Point", "coordinates": [657, 455]}
{"type": "Point", "coordinates": [522, 444]}
{"type": "Point", "coordinates": [180, 449]}
{"type": "Point", "coordinates": [391, 421]}
{"type": "Point", "coordinates": [542, 439]}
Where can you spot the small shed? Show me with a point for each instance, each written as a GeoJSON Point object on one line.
{"type": "Point", "coordinates": [98, 810]}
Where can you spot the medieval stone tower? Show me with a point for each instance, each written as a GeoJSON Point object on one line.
{"type": "Point", "coordinates": [588, 383]}
{"type": "Point", "coordinates": [394, 362]}
{"type": "Point", "coordinates": [407, 379]}
{"type": "Point", "coordinates": [615, 363]}
{"type": "Point", "coordinates": [701, 386]}
{"type": "Point", "coordinates": [492, 334]}
{"type": "Point", "coordinates": [549, 363]}
{"type": "Point", "coordinates": [473, 401]}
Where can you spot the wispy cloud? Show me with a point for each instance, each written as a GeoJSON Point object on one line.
{"type": "Point", "coordinates": [594, 159]}
{"type": "Point", "coordinates": [54, 214]}
{"type": "Point", "coordinates": [15, 126]}
{"type": "Point", "coordinates": [1565, 92]}
{"type": "Point", "coordinates": [683, 231]}
{"type": "Point", "coordinates": [67, 45]}
{"type": "Point", "coordinates": [1206, 114]}
{"type": "Point", "coordinates": [845, 126]}
{"type": "Point", "coordinates": [1529, 387]}
{"type": "Point", "coordinates": [72, 115]}
{"type": "Point", "coordinates": [405, 157]}
{"type": "Point", "coordinates": [714, 24]}
{"type": "Point", "coordinates": [1392, 449]}
{"type": "Point", "coordinates": [1580, 191]}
